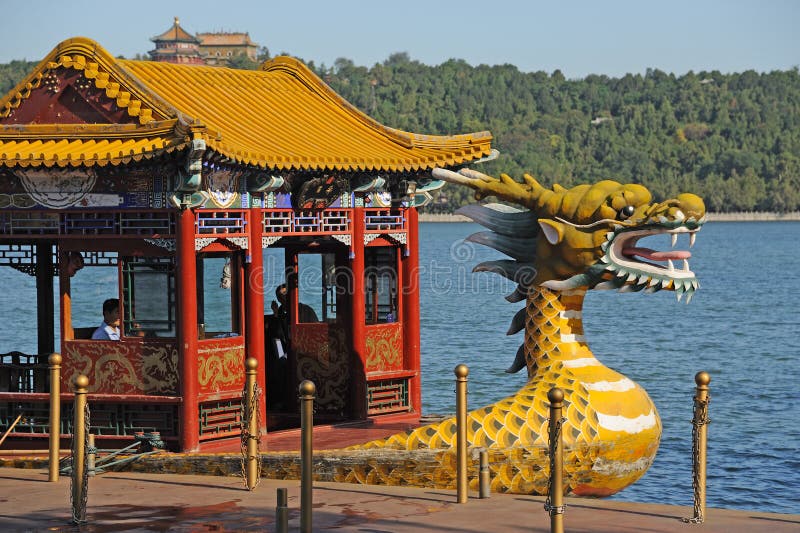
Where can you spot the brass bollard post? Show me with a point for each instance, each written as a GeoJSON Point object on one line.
{"type": "Point", "coordinates": [79, 451]}
{"type": "Point", "coordinates": [307, 393]}
{"type": "Point", "coordinates": [282, 512]}
{"type": "Point", "coordinates": [462, 483]}
{"type": "Point", "coordinates": [555, 497]}
{"type": "Point", "coordinates": [55, 415]}
{"type": "Point", "coordinates": [484, 479]}
{"type": "Point", "coordinates": [700, 440]}
{"type": "Point", "coordinates": [251, 467]}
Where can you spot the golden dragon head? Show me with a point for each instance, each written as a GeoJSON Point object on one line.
{"type": "Point", "coordinates": [585, 236]}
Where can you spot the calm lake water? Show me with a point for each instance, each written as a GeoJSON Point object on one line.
{"type": "Point", "coordinates": [741, 327]}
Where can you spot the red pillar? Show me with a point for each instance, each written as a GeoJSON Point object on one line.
{"type": "Point", "coordinates": [411, 354]}
{"type": "Point", "coordinates": [187, 331]}
{"type": "Point", "coordinates": [358, 318]}
{"type": "Point", "coordinates": [254, 306]}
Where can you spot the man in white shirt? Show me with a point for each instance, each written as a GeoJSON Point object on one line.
{"type": "Point", "coordinates": [109, 329]}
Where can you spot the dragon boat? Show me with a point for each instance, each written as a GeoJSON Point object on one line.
{"type": "Point", "coordinates": [190, 194]}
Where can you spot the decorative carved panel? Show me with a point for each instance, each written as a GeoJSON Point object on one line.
{"type": "Point", "coordinates": [323, 356]}
{"type": "Point", "coordinates": [121, 367]}
{"type": "Point", "coordinates": [220, 365]}
{"type": "Point", "coordinates": [384, 347]}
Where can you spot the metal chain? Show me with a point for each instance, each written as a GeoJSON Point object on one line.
{"type": "Point", "coordinates": [699, 419]}
{"type": "Point", "coordinates": [551, 509]}
{"type": "Point", "coordinates": [79, 518]}
{"type": "Point", "coordinates": [247, 408]}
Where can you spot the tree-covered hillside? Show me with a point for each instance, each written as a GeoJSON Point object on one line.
{"type": "Point", "coordinates": [732, 138]}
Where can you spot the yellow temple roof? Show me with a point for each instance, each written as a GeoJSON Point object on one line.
{"type": "Point", "coordinates": [281, 117]}
{"type": "Point", "coordinates": [176, 33]}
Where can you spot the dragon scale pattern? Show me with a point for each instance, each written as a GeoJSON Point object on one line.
{"type": "Point", "coordinates": [601, 405]}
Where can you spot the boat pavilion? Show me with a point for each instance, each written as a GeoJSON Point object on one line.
{"type": "Point", "coordinates": [177, 178]}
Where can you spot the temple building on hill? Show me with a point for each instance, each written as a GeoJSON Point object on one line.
{"type": "Point", "coordinates": [177, 45]}
{"type": "Point", "coordinates": [219, 48]}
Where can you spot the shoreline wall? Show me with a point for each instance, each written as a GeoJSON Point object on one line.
{"type": "Point", "coordinates": [750, 216]}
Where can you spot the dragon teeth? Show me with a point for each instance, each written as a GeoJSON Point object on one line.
{"type": "Point", "coordinates": [686, 265]}
{"type": "Point", "coordinates": [692, 237]}
{"type": "Point", "coordinates": [670, 266]}
{"type": "Point", "coordinates": [674, 239]}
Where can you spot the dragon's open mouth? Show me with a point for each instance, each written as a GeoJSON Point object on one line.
{"type": "Point", "coordinates": [624, 251]}
{"type": "Point", "coordinates": [637, 268]}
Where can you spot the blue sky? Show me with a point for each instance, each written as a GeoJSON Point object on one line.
{"type": "Point", "coordinates": [578, 37]}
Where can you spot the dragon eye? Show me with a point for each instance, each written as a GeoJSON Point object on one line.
{"type": "Point", "coordinates": [626, 212]}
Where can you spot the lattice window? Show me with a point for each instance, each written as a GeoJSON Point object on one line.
{"type": "Point", "coordinates": [101, 258]}
{"type": "Point", "coordinates": [35, 418]}
{"type": "Point", "coordinates": [335, 221]}
{"type": "Point", "coordinates": [88, 223]}
{"type": "Point", "coordinates": [220, 222]}
{"type": "Point", "coordinates": [305, 222]}
{"type": "Point", "coordinates": [387, 396]}
{"type": "Point", "coordinates": [129, 419]}
{"type": "Point", "coordinates": [382, 220]}
{"type": "Point", "coordinates": [106, 418]}
{"type": "Point", "coordinates": [91, 223]}
{"type": "Point", "coordinates": [277, 221]}
{"type": "Point", "coordinates": [147, 223]}
{"type": "Point", "coordinates": [29, 223]}
{"type": "Point", "coordinates": [327, 221]}
{"type": "Point", "coordinates": [148, 285]}
{"type": "Point", "coordinates": [380, 281]}
{"type": "Point", "coordinates": [22, 257]}
{"type": "Point", "coordinates": [220, 419]}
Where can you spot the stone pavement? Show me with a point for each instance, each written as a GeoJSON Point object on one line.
{"type": "Point", "coordinates": [127, 501]}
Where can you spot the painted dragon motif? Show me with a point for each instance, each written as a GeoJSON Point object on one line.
{"type": "Point", "coordinates": [565, 242]}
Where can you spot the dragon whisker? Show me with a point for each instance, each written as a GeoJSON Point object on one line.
{"type": "Point", "coordinates": [595, 223]}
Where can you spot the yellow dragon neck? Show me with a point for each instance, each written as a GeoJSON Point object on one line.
{"type": "Point", "coordinates": [554, 329]}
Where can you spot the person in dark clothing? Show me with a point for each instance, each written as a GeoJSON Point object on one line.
{"type": "Point", "coordinates": [279, 343]}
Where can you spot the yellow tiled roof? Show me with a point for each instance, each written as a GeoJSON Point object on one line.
{"type": "Point", "coordinates": [176, 33]}
{"type": "Point", "coordinates": [282, 117]}
{"type": "Point", "coordinates": [91, 145]}
{"type": "Point", "coordinates": [225, 39]}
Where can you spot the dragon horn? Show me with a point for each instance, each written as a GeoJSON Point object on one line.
{"type": "Point", "coordinates": [529, 194]}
